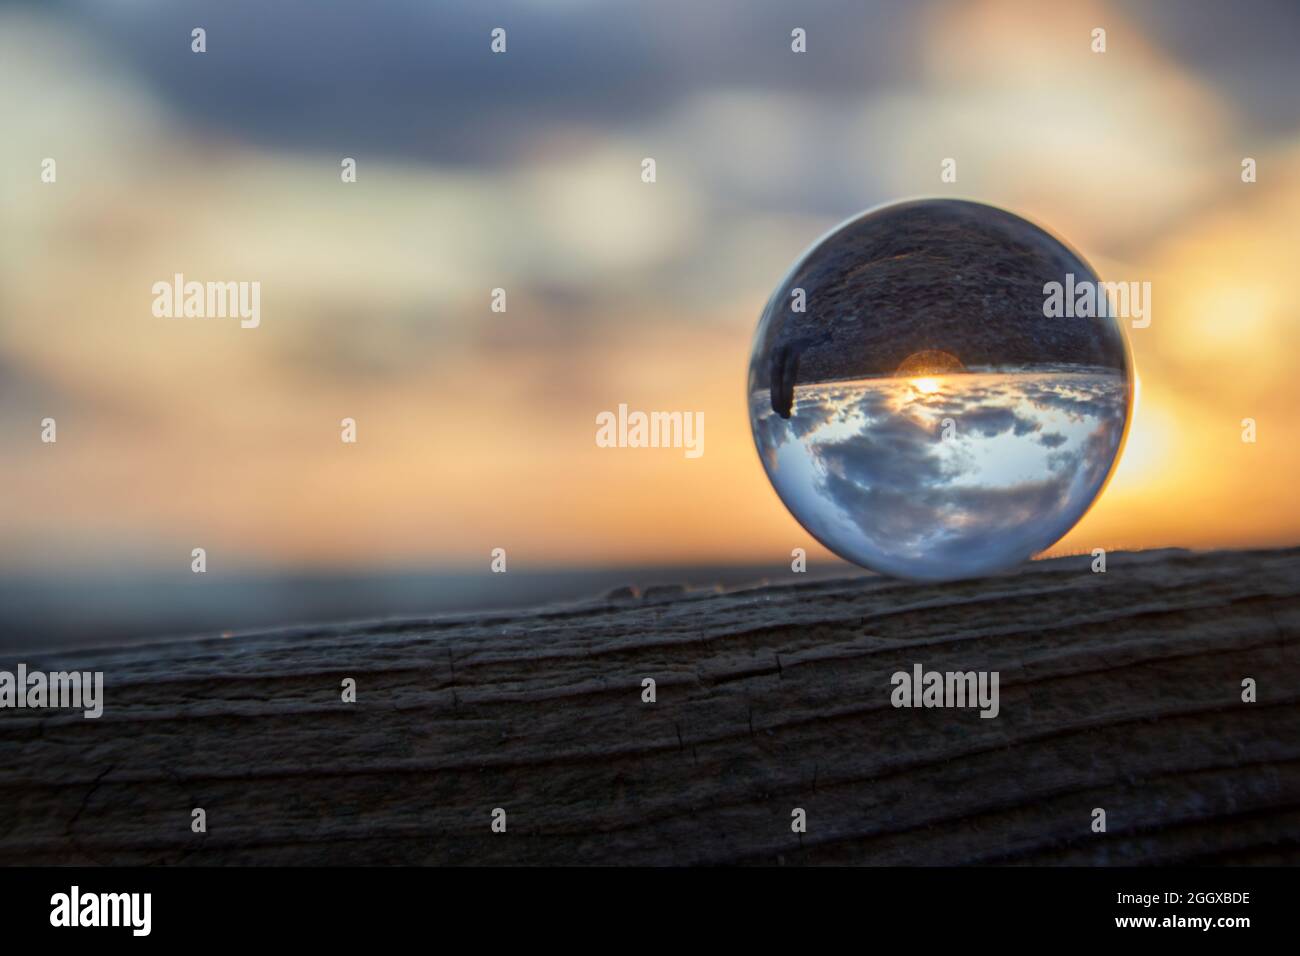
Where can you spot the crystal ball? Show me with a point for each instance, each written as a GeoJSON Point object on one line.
{"type": "Point", "coordinates": [920, 406]}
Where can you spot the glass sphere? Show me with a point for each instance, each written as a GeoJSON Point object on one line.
{"type": "Point", "coordinates": [921, 407]}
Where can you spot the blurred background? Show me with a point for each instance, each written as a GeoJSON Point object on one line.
{"type": "Point", "coordinates": [522, 171]}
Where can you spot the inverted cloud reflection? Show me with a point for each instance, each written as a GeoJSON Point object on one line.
{"type": "Point", "coordinates": [990, 468]}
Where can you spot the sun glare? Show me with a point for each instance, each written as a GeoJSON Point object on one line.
{"type": "Point", "coordinates": [926, 386]}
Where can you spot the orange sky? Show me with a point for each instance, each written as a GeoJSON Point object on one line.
{"type": "Point", "coordinates": [476, 428]}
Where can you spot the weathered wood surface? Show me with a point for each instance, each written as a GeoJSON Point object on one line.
{"type": "Point", "coordinates": [1119, 690]}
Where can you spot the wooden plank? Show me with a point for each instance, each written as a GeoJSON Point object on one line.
{"type": "Point", "coordinates": [1119, 690]}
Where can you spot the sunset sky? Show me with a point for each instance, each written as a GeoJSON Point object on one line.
{"type": "Point", "coordinates": [522, 171]}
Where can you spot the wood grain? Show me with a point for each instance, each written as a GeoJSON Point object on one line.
{"type": "Point", "coordinates": [1119, 690]}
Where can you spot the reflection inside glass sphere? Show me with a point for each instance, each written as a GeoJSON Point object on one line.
{"type": "Point", "coordinates": [921, 416]}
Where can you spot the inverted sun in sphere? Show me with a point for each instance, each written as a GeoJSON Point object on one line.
{"type": "Point", "coordinates": [920, 415]}
{"type": "Point", "coordinates": [929, 362]}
